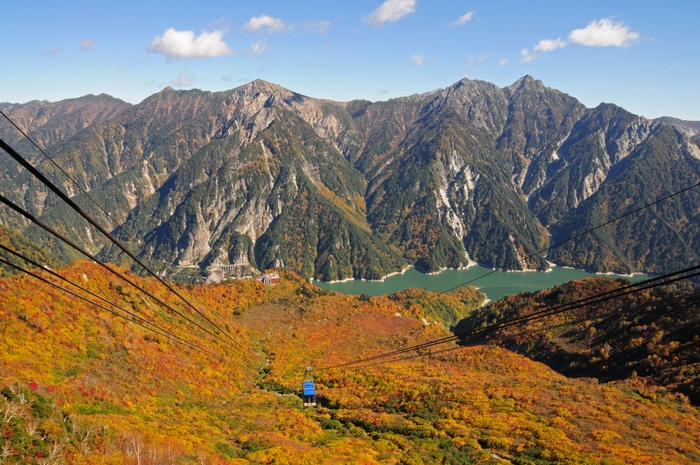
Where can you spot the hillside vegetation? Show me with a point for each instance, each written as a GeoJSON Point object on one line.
{"type": "Point", "coordinates": [14, 241]}
{"type": "Point", "coordinates": [88, 388]}
{"type": "Point", "coordinates": [651, 337]}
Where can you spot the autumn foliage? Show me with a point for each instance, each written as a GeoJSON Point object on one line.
{"type": "Point", "coordinates": [650, 337]}
{"type": "Point", "coordinates": [91, 388]}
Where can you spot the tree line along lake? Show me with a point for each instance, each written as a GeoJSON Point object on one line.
{"type": "Point", "coordinates": [494, 284]}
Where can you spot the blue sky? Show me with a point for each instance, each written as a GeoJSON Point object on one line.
{"type": "Point", "coordinates": [641, 55]}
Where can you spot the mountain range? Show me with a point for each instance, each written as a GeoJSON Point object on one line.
{"type": "Point", "coordinates": [262, 177]}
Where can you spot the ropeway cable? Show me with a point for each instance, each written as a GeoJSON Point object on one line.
{"type": "Point", "coordinates": [55, 233]}
{"type": "Point", "coordinates": [75, 183]}
{"type": "Point", "coordinates": [137, 320]}
{"type": "Point", "coordinates": [576, 236]}
{"type": "Point", "coordinates": [615, 293]}
{"type": "Point", "coordinates": [464, 345]}
{"type": "Point", "coordinates": [87, 194]}
{"type": "Point", "coordinates": [75, 207]}
{"type": "Point", "coordinates": [86, 290]}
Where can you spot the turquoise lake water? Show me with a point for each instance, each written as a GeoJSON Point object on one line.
{"type": "Point", "coordinates": [495, 285]}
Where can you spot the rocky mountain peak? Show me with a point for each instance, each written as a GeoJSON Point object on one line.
{"type": "Point", "coordinates": [526, 84]}
{"type": "Point", "coordinates": [48, 122]}
{"type": "Point", "coordinates": [258, 86]}
{"type": "Point", "coordinates": [525, 81]}
{"type": "Point", "coordinates": [465, 92]}
{"type": "Point", "coordinates": [479, 102]}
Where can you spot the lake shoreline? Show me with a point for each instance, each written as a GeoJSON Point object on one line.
{"type": "Point", "coordinates": [393, 273]}
{"type": "Point", "coordinates": [473, 264]}
{"type": "Point", "coordinates": [493, 285]}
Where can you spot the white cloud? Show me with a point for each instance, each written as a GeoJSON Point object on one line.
{"type": "Point", "coordinates": [483, 57]}
{"type": "Point", "coordinates": [604, 33]}
{"type": "Point", "coordinates": [503, 61]}
{"type": "Point", "coordinates": [544, 45]}
{"type": "Point", "coordinates": [417, 59]}
{"type": "Point", "coordinates": [547, 45]}
{"type": "Point", "coordinates": [182, 81]}
{"type": "Point", "coordinates": [599, 33]}
{"type": "Point", "coordinates": [462, 20]}
{"type": "Point", "coordinates": [51, 51]}
{"type": "Point", "coordinates": [263, 21]}
{"type": "Point", "coordinates": [318, 27]}
{"type": "Point", "coordinates": [87, 44]}
{"type": "Point", "coordinates": [527, 57]}
{"type": "Point", "coordinates": [257, 48]}
{"type": "Point", "coordinates": [221, 24]}
{"type": "Point", "coordinates": [391, 11]}
{"type": "Point", "coordinates": [183, 44]}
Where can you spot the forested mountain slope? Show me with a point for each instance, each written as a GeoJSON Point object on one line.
{"type": "Point", "coordinates": [651, 337]}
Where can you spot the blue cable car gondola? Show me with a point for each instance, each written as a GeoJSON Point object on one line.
{"type": "Point", "coordinates": [308, 390]}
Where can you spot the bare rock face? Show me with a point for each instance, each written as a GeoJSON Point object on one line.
{"type": "Point", "coordinates": [690, 129]}
{"type": "Point", "coordinates": [597, 143]}
{"type": "Point", "coordinates": [267, 151]}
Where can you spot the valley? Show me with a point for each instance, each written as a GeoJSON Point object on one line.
{"type": "Point", "coordinates": [534, 368]}
{"type": "Point", "coordinates": [388, 232]}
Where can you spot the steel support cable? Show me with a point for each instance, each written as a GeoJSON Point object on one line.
{"type": "Point", "coordinates": [692, 296]}
{"type": "Point", "coordinates": [551, 247]}
{"type": "Point", "coordinates": [585, 301]}
{"type": "Point", "coordinates": [88, 291]}
{"type": "Point", "coordinates": [138, 323]}
{"type": "Point", "coordinates": [576, 236]}
{"type": "Point", "coordinates": [55, 233]}
{"type": "Point", "coordinates": [540, 314]}
{"type": "Point", "coordinates": [527, 318]}
{"type": "Point", "coordinates": [388, 316]}
{"type": "Point", "coordinates": [75, 183]}
{"type": "Point", "coordinates": [87, 194]}
{"type": "Point", "coordinates": [684, 365]}
{"type": "Point", "coordinates": [80, 211]}
{"type": "Point", "coordinates": [519, 320]}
